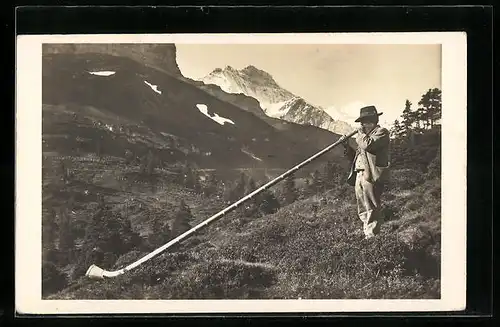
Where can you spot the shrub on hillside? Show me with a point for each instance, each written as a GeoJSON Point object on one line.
{"type": "Point", "coordinates": [50, 229]}
{"type": "Point", "coordinates": [107, 236]}
{"type": "Point", "coordinates": [421, 254]}
{"type": "Point", "coordinates": [316, 185]}
{"type": "Point", "coordinates": [212, 185]}
{"type": "Point", "coordinates": [128, 258]}
{"type": "Point", "coordinates": [431, 189]}
{"type": "Point", "coordinates": [251, 207]}
{"type": "Point", "coordinates": [405, 179]}
{"type": "Point", "coordinates": [161, 232]}
{"type": "Point", "coordinates": [290, 193]}
{"type": "Point", "coordinates": [363, 270]}
{"type": "Point", "coordinates": [109, 289]}
{"type": "Point", "coordinates": [51, 255]}
{"type": "Point", "coordinates": [345, 192]}
{"type": "Point", "coordinates": [218, 280]}
{"type": "Point", "coordinates": [235, 190]}
{"type": "Point", "coordinates": [267, 202]}
{"type": "Point", "coordinates": [182, 220]}
{"type": "Point", "coordinates": [86, 258]}
{"type": "Point", "coordinates": [333, 175]}
{"type": "Point", "coordinates": [168, 262]}
{"type": "Point", "coordinates": [66, 237]}
{"type": "Point", "coordinates": [434, 167]}
{"type": "Point", "coordinates": [53, 280]}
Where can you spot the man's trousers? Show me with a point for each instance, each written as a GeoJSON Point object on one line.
{"type": "Point", "coordinates": [369, 204]}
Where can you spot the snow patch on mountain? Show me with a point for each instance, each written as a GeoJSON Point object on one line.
{"type": "Point", "coordinates": [168, 135]}
{"type": "Point", "coordinates": [224, 84]}
{"type": "Point", "coordinates": [275, 109]}
{"type": "Point", "coordinates": [103, 73]}
{"type": "Point", "coordinates": [153, 87]}
{"type": "Point", "coordinates": [251, 154]}
{"type": "Point", "coordinates": [221, 120]}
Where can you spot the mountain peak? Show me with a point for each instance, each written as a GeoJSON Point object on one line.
{"type": "Point", "coordinates": [274, 100]}
{"type": "Point", "coordinates": [249, 72]}
{"type": "Point", "coordinates": [253, 71]}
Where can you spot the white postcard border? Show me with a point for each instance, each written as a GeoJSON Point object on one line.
{"type": "Point", "coordinates": [28, 180]}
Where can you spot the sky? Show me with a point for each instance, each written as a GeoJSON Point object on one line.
{"type": "Point", "coordinates": [340, 78]}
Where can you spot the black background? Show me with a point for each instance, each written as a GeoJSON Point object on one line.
{"type": "Point", "coordinates": [476, 21]}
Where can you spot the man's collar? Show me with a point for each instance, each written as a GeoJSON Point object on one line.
{"type": "Point", "coordinates": [373, 130]}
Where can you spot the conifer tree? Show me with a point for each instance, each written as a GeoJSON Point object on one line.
{"type": "Point", "coordinates": [190, 178]}
{"type": "Point", "coordinates": [182, 219]}
{"type": "Point", "coordinates": [66, 236]}
{"type": "Point", "coordinates": [128, 237]}
{"type": "Point", "coordinates": [96, 233]}
{"type": "Point", "coordinates": [251, 207]}
{"type": "Point", "coordinates": [306, 189]}
{"type": "Point", "coordinates": [107, 236]}
{"type": "Point", "coordinates": [98, 147]}
{"type": "Point", "coordinates": [129, 157]}
{"type": "Point", "coordinates": [197, 184]}
{"type": "Point", "coordinates": [397, 130]}
{"type": "Point", "coordinates": [290, 192]}
{"type": "Point", "coordinates": [211, 185]}
{"type": "Point", "coordinates": [408, 117]}
{"type": "Point", "coordinates": [430, 103]}
{"type": "Point", "coordinates": [418, 146]}
{"type": "Point", "coordinates": [110, 232]}
{"type": "Point", "coordinates": [64, 171]}
{"type": "Point", "coordinates": [143, 162]}
{"type": "Point", "coordinates": [316, 182]}
{"type": "Point", "coordinates": [250, 186]}
{"type": "Point", "coordinates": [417, 120]}
{"type": "Point", "coordinates": [238, 190]}
{"type": "Point", "coordinates": [161, 233]}
{"type": "Point", "coordinates": [331, 175]}
{"type": "Point", "coordinates": [424, 118]}
{"type": "Point", "coordinates": [150, 163]}
{"type": "Point", "coordinates": [268, 203]}
{"type": "Point", "coordinates": [49, 234]}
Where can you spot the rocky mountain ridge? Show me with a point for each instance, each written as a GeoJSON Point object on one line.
{"type": "Point", "coordinates": [274, 100]}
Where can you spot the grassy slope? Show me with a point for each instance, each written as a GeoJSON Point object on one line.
{"type": "Point", "coordinates": [292, 253]}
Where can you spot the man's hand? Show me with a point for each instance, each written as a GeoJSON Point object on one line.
{"type": "Point", "coordinates": [372, 142]}
{"type": "Point", "coordinates": [361, 130]}
{"type": "Point", "coordinates": [344, 140]}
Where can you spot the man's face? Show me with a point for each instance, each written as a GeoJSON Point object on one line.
{"type": "Point", "coordinates": [367, 125]}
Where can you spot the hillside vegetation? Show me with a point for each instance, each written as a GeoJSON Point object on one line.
{"type": "Point", "coordinates": [303, 241]}
{"type": "Point", "coordinates": [129, 165]}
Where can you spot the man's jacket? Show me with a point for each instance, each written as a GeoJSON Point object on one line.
{"type": "Point", "coordinates": [375, 147]}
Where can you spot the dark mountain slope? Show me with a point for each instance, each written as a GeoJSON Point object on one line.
{"type": "Point", "coordinates": [161, 57]}
{"type": "Point", "coordinates": [166, 105]}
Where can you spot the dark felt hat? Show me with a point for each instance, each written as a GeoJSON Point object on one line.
{"type": "Point", "coordinates": [369, 111]}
